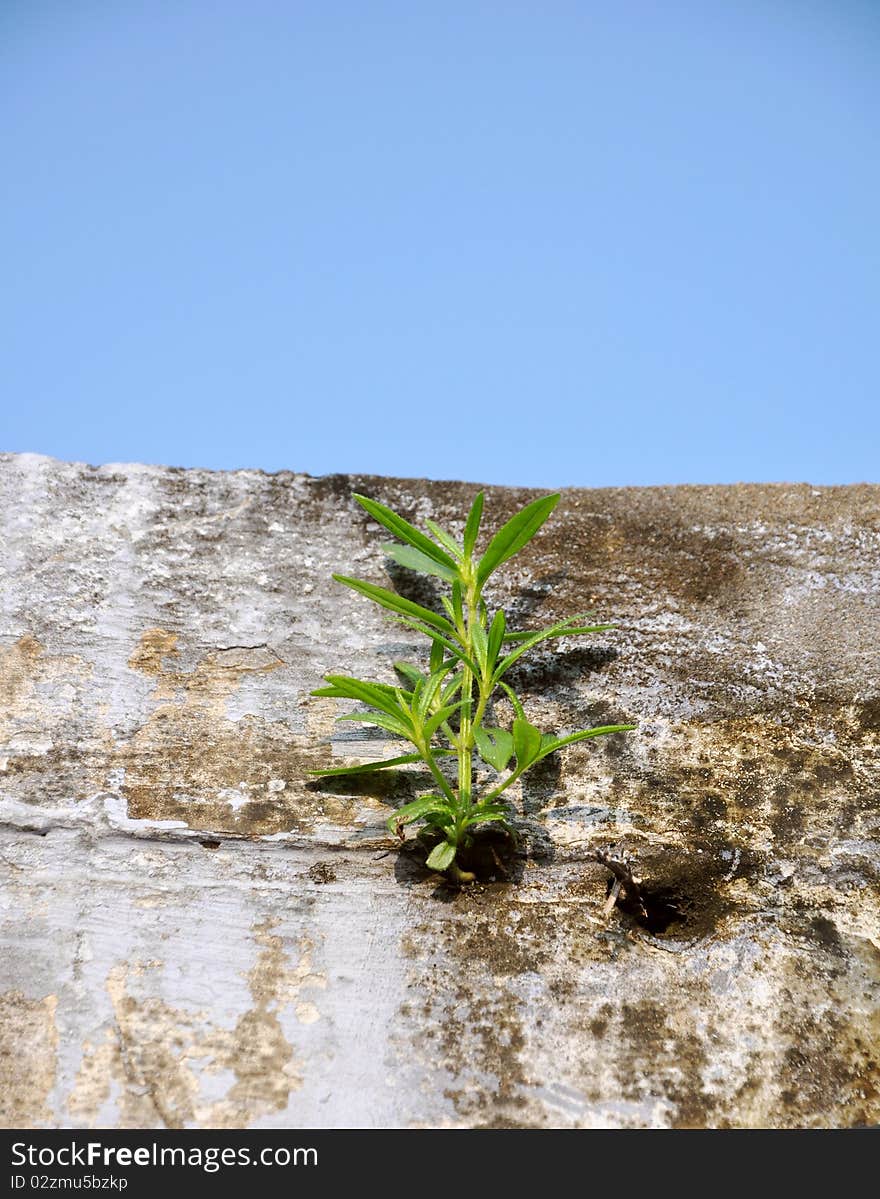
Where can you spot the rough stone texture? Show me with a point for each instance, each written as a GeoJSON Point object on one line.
{"type": "Point", "coordinates": [194, 935]}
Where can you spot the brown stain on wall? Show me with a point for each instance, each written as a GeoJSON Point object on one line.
{"type": "Point", "coordinates": [28, 1059]}
{"type": "Point", "coordinates": [41, 695]}
{"type": "Point", "coordinates": [19, 666]}
{"type": "Point", "coordinates": [154, 1055]}
{"type": "Point", "coordinates": [473, 1023]}
{"type": "Point", "coordinates": [786, 768]}
{"type": "Point", "coordinates": [643, 1018]}
{"type": "Point", "coordinates": [186, 762]}
{"type": "Point", "coordinates": [25, 667]}
{"type": "Point", "coordinates": [263, 1060]}
{"type": "Point", "coordinates": [713, 811]}
{"type": "Point", "coordinates": [748, 782]}
{"type": "Point", "coordinates": [189, 762]}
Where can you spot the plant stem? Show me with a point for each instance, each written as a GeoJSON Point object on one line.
{"type": "Point", "coordinates": [439, 777]}
{"type": "Point", "coordinates": [466, 728]}
{"type": "Point", "coordinates": [511, 778]}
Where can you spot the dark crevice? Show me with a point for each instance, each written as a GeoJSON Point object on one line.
{"type": "Point", "coordinates": [656, 910]}
{"type": "Point", "coordinates": [222, 649]}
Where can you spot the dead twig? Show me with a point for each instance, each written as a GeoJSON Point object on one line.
{"type": "Point", "coordinates": [612, 897]}
{"type": "Point", "coordinates": [498, 862]}
{"type": "Point", "coordinates": [624, 881]}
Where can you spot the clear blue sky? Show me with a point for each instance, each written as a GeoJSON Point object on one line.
{"type": "Point", "coordinates": [539, 243]}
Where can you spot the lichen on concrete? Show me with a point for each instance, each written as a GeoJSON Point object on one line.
{"type": "Point", "coordinates": [194, 934]}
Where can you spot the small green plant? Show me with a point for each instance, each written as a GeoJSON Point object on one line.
{"type": "Point", "coordinates": [442, 711]}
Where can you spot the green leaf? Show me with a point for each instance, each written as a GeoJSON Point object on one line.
{"type": "Point", "coordinates": [436, 660]}
{"type": "Point", "coordinates": [441, 856]}
{"type": "Point", "coordinates": [451, 687]}
{"type": "Point", "coordinates": [377, 695]}
{"type": "Point", "coordinates": [481, 647]}
{"type": "Point", "coordinates": [518, 531]}
{"type": "Point", "coordinates": [562, 629]}
{"type": "Point", "coordinates": [458, 604]}
{"type": "Point", "coordinates": [495, 746]}
{"type": "Point", "coordinates": [416, 810]}
{"type": "Point", "coordinates": [414, 559]}
{"type": "Point", "coordinates": [589, 628]}
{"type": "Point", "coordinates": [426, 695]}
{"type": "Point", "coordinates": [369, 767]}
{"type": "Point", "coordinates": [432, 725]}
{"type": "Point", "coordinates": [389, 723]}
{"type": "Point", "coordinates": [496, 637]}
{"type": "Point", "coordinates": [486, 814]}
{"type": "Point", "coordinates": [396, 603]}
{"type": "Point", "coordinates": [583, 735]}
{"type": "Point", "coordinates": [526, 742]}
{"type": "Point", "coordinates": [404, 530]}
{"type": "Point", "coordinates": [511, 695]}
{"type": "Point", "coordinates": [472, 527]}
{"type": "Point", "coordinates": [568, 630]}
{"type": "Point", "coordinates": [453, 646]}
{"type": "Point", "coordinates": [445, 539]}
{"type": "Point", "coordinates": [409, 672]}
{"type": "Point", "coordinates": [442, 819]}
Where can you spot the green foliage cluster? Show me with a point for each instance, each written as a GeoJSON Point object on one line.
{"type": "Point", "coordinates": [442, 711]}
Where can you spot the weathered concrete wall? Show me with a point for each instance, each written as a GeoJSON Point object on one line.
{"type": "Point", "coordinates": [192, 935]}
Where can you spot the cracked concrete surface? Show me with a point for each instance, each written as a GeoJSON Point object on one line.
{"type": "Point", "coordinates": [194, 935]}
